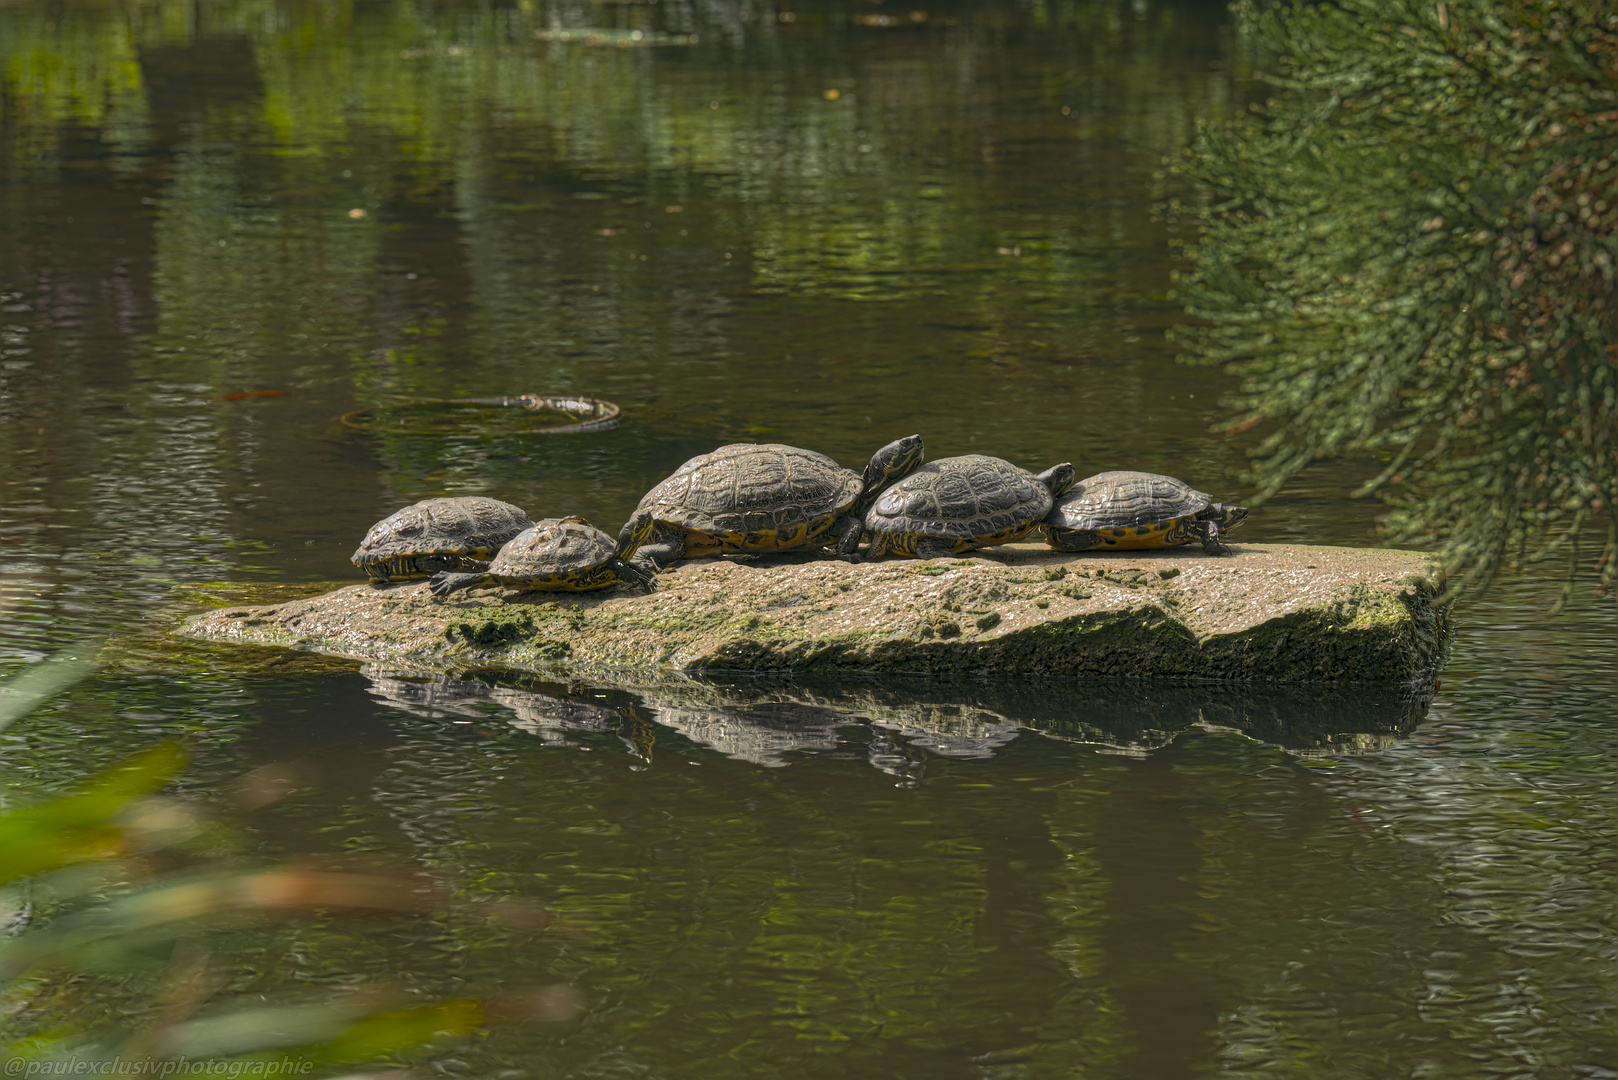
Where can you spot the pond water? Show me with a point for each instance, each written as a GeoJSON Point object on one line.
{"type": "Point", "coordinates": [225, 225]}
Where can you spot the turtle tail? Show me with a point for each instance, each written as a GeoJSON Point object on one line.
{"type": "Point", "coordinates": [444, 582]}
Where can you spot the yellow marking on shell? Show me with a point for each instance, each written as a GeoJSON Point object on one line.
{"type": "Point", "coordinates": [1004, 536]}
{"type": "Point", "coordinates": [698, 544]}
{"type": "Point", "coordinates": [577, 582]}
{"type": "Point", "coordinates": [892, 544]}
{"type": "Point", "coordinates": [1162, 534]}
{"type": "Point", "coordinates": [803, 534]}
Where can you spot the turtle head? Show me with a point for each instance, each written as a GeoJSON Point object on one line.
{"type": "Point", "coordinates": [636, 531]}
{"type": "Point", "coordinates": [1058, 478]}
{"type": "Point", "coordinates": [892, 463]}
{"type": "Point", "coordinates": [1229, 516]}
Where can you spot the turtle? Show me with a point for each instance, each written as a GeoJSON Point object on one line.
{"type": "Point", "coordinates": [751, 497]}
{"type": "Point", "coordinates": [560, 555]}
{"type": "Point", "coordinates": [953, 505]}
{"type": "Point", "coordinates": [460, 533]}
{"type": "Point", "coordinates": [1128, 510]}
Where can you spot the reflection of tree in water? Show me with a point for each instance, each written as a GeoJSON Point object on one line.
{"type": "Point", "coordinates": [256, 127]}
{"type": "Point", "coordinates": [1137, 915]}
{"type": "Point", "coordinates": [1412, 256]}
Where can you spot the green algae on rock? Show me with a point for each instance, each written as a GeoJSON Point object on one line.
{"type": "Point", "coordinates": [151, 646]}
{"type": "Point", "coordinates": [1268, 613]}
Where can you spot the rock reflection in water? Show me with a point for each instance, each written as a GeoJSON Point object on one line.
{"type": "Point", "coordinates": [435, 697]}
{"type": "Point", "coordinates": [762, 734]}
{"type": "Point", "coordinates": [906, 720]}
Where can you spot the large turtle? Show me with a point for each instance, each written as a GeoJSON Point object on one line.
{"type": "Point", "coordinates": [767, 497]}
{"type": "Point", "coordinates": [1138, 510]}
{"type": "Point", "coordinates": [438, 534]}
{"type": "Point", "coordinates": [560, 555]}
{"type": "Point", "coordinates": [953, 505]}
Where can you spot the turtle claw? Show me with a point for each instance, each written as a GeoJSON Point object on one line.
{"type": "Point", "coordinates": [443, 583]}
{"type": "Point", "coordinates": [635, 577]}
{"type": "Point", "coordinates": [1210, 540]}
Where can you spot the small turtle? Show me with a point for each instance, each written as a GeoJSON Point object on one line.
{"type": "Point", "coordinates": [1138, 510]}
{"type": "Point", "coordinates": [438, 534]}
{"type": "Point", "coordinates": [560, 555]}
{"type": "Point", "coordinates": [767, 497]}
{"type": "Point", "coordinates": [952, 505]}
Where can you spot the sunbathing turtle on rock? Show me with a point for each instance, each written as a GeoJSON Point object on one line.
{"type": "Point", "coordinates": [764, 497]}
{"type": "Point", "coordinates": [955, 505]}
{"type": "Point", "coordinates": [438, 534]}
{"type": "Point", "coordinates": [1129, 510]}
{"type": "Point", "coordinates": [560, 555]}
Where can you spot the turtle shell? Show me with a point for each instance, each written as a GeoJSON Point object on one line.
{"type": "Point", "coordinates": [753, 497]}
{"type": "Point", "coordinates": [1127, 500]}
{"type": "Point", "coordinates": [556, 553]}
{"type": "Point", "coordinates": [1134, 510]}
{"type": "Point", "coordinates": [460, 533]}
{"type": "Point", "coordinates": [974, 500]}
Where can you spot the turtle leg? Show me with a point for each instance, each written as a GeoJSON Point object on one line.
{"type": "Point", "coordinates": [935, 547]}
{"type": "Point", "coordinates": [462, 564]}
{"type": "Point", "coordinates": [1072, 539]}
{"type": "Point", "coordinates": [444, 583]}
{"type": "Point", "coordinates": [630, 574]}
{"type": "Point", "coordinates": [1210, 538]}
{"type": "Point", "coordinates": [849, 529]}
{"type": "Point", "coordinates": [663, 548]}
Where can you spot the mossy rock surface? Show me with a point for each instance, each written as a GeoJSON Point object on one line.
{"type": "Point", "coordinates": [1269, 613]}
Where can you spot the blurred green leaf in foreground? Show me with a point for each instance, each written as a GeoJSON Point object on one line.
{"type": "Point", "coordinates": [1410, 252]}
{"type": "Point", "coordinates": [109, 912]}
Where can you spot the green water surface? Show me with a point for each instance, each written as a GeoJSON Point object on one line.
{"type": "Point", "coordinates": [818, 223]}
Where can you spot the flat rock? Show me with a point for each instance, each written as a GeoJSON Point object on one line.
{"type": "Point", "coordinates": [1269, 612]}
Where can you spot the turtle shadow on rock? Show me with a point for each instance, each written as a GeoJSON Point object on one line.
{"type": "Point", "coordinates": [761, 719]}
